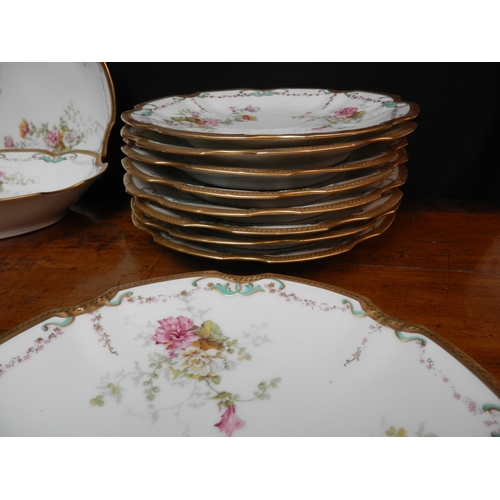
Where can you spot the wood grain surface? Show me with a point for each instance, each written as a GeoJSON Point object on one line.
{"type": "Point", "coordinates": [437, 266]}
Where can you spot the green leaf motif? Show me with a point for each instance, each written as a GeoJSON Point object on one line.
{"type": "Point", "coordinates": [49, 159]}
{"type": "Point", "coordinates": [275, 382]}
{"type": "Point", "coordinates": [210, 330]}
{"type": "Point", "coordinates": [97, 401]}
{"type": "Point", "coordinates": [113, 388]}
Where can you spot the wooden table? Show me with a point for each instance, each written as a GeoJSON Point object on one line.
{"type": "Point", "coordinates": [438, 265]}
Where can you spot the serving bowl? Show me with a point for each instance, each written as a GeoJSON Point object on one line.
{"type": "Point", "coordinates": [37, 187]}
{"type": "Point", "coordinates": [55, 121]}
{"type": "Point", "coordinates": [254, 118]}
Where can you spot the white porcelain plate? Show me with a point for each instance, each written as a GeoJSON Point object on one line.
{"type": "Point", "coordinates": [387, 203]}
{"type": "Point", "coordinates": [58, 107]}
{"type": "Point", "coordinates": [312, 250]}
{"type": "Point", "coordinates": [344, 183]}
{"type": "Point", "coordinates": [216, 355]}
{"type": "Point", "coordinates": [285, 115]}
{"type": "Point", "coordinates": [269, 179]}
{"type": "Point", "coordinates": [329, 208]}
{"type": "Point", "coordinates": [302, 157]}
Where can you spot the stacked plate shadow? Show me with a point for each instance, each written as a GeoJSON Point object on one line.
{"type": "Point", "coordinates": [280, 175]}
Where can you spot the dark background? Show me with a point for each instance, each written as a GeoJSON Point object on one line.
{"type": "Point", "coordinates": [453, 153]}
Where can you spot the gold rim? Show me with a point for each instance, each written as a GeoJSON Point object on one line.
{"type": "Point", "coordinates": [252, 243]}
{"type": "Point", "coordinates": [394, 152]}
{"type": "Point", "coordinates": [240, 214]}
{"type": "Point", "coordinates": [390, 135]}
{"type": "Point", "coordinates": [413, 112]}
{"type": "Point", "coordinates": [235, 194]}
{"type": "Point", "coordinates": [366, 304]}
{"type": "Point", "coordinates": [112, 118]}
{"type": "Point", "coordinates": [269, 259]}
{"type": "Point", "coordinates": [389, 206]}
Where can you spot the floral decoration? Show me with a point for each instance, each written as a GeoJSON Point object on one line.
{"type": "Point", "coordinates": [401, 432]}
{"type": "Point", "coordinates": [200, 354]}
{"type": "Point", "coordinates": [189, 350]}
{"type": "Point", "coordinates": [201, 119]}
{"type": "Point", "coordinates": [350, 114]}
{"type": "Point", "coordinates": [38, 345]}
{"type": "Point", "coordinates": [16, 179]}
{"type": "Point", "coordinates": [62, 137]}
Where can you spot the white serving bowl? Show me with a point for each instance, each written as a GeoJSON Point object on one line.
{"type": "Point", "coordinates": [37, 188]}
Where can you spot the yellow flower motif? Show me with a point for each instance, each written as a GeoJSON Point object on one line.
{"type": "Point", "coordinates": [24, 128]}
{"type": "Point", "coordinates": [196, 362]}
{"type": "Point", "coordinates": [393, 432]}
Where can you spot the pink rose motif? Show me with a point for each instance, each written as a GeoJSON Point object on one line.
{"type": "Point", "coordinates": [52, 137]}
{"type": "Point", "coordinates": [230, 421]}
{"type": "Point", "coordinates": [252, 109]}
{"type": "Point", "coordinates": [209, 122]}
{"type": "Point", "coordinates": [175, 333]}
{"type": "Point", "coordinates": [472, 406]}
{"type": "Point", "coordinates": [8, 141]}
{"type": "Point", "coordinates": [346, 112]}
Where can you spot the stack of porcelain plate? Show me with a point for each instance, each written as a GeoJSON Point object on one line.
{"type": "Point", "coordinates": [274, 176]}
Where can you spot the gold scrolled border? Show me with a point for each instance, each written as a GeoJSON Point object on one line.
{"type": "Point", "coordinates": [366, 304]}
{"type": "Point", "coordinates": [413, 112]}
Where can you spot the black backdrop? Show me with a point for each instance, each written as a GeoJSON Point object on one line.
{"type": "Point", "coordinates": [453, 153]}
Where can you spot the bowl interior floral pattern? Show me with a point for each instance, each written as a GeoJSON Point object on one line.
{"type": "Point", "coordinates": [57, 107]}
